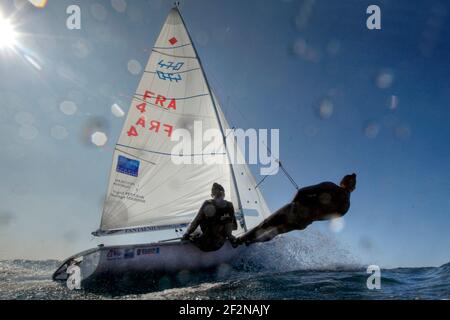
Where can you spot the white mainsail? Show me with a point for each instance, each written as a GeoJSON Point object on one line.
{"type": "Point", "coordinates": [147, 190]}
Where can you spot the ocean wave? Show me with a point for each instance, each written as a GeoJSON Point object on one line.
{"type": "Point", "coordinates": [312, 267]}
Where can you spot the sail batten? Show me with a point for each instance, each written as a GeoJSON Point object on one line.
{"type": "Point", "coordinates": [172, 55]}
{"type": "Point", "coordinates": [147, 190]}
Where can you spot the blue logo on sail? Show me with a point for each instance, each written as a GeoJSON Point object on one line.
{"type": "Point", "coordinates": [169, 76]}
{"type": "Point", "coordinates": [127, 166]}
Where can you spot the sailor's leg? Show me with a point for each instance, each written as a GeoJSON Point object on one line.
{"type": "Point", "coordinates": [269, 226]}
{"type": "Point", "coordinates": [208, 244]}
{"type": "Point", "coordinates": [272, 232]}
{"type": "Point", "coordinates": [265, 235]}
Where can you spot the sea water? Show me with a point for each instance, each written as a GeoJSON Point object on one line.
{"type": "Point", "coordinates": [282, 269]}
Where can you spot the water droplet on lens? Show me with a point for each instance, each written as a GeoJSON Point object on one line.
{"type": "Point", "coordinates": [119, 5]}
{"type": "Point", "coordinates": [325, 108]}
{"type": "Point", "coordinates": [384, 79]}
{"type": "Point", "coordinates": [92, 125]}
{"type": "Point", "coordinates": [28, 132]}
{"type": "Point", "coordinates": [68, 107]}
{"type": "Point", "coordinates": [393, 102]}
{"type": "Point", "coordinates": [134, 67]}
{"type": "Point", "coordinates": [99, 139]}
{"type": "Point", "coordinates": [117, 110]}
{"type": "Point", "coordinates": [371, 130]}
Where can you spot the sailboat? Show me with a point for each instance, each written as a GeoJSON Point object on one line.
{"type": "Point", "coordinates": [147, 191]}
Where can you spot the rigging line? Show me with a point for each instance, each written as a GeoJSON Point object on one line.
{"type": "Point", "coordinates": [135, 156]}
{"type": "Point", "coordinates": [175, 47]}
{"type": "Point", "coordinates": [231, 130]}
{"type": "Point", "coordinates": [261, 181]}
{"type": "Point", "coordinates": [270, 153]}
{"type": "Point", "coordinates": [264, 178]}
{"type": "Point", "coordinates": [223, 144]}
{"type": "Point", "coordinates": [283, 168]}
{"type": "Point", "coordinates": [289, 177]}
{"type": "Point", "coordinates": [185, 98]}
{"type": "Point", "coordinates": [231, 103]}
{"type": "Point", "coordinates": [170, 154]}
{"type": "Point", "coordinates": [172, 55]}
{"type": "Point", "coordinates": [194, 69]}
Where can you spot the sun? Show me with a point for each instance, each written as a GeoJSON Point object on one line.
{"type": "Point", "coordinates": [7, 34]}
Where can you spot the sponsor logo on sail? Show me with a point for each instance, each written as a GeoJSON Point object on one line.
{"type": "Point", "coordinates": [128, 166]}
{"type": "Point", "coordinates": [114, 254]}
{"type": "Point", "coordinates": [129, 254]}
{"type": "Point", "coordinates": [169, 76]}
{"type": "Point", "coordinates": [147, 251]}
{"type": "Point", "coordinates": [173, 40]}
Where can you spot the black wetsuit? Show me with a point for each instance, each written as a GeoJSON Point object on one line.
{"type": "Point", "coordinates": [314, 203]}
{"type": "Point", "coordinates": [323, 200]}
{"type": "Point", "coordinates": [216, 220]}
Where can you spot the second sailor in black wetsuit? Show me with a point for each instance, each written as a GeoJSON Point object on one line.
{"type": "Point", "coordinates": [216, 220]}
{"type": "Point", "coordinates": [323, 201]}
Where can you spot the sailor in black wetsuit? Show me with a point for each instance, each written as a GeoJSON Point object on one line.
{"type": "Point", "coordinates": [323, 201]}
{"type": "Point", "coordinates": [216, 220]}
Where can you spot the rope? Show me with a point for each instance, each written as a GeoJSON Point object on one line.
{"type": "Point", "coordinates": [291, 180]}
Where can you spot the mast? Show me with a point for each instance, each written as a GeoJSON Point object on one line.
{"type": "Point", "coordinates": [216, 112]}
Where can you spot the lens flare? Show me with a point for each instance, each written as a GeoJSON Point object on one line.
{"type": "Point", "coordinates": [7, 34]}
{"type": "Point", "coordinates": [38, 3]}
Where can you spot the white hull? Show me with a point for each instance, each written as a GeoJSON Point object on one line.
{"type": "Point", "coordinates": [146, 259]}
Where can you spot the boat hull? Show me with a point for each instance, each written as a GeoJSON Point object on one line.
{"type": "Point", "coordinates": [143, 260]}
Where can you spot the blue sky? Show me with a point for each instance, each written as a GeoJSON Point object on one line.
{"type": "Point", "coordinates": [346, 99]}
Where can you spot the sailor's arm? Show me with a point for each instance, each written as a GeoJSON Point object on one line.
{"type": "Point", "coordinates": [195, 223]}
{"type": "Point", "coordinates": [232, 224]}
{"type": "Point", "coordinates": [233, 216]}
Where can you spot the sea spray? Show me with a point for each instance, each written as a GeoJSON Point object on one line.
{"type": "Point", "coordinates": [310, 250]}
